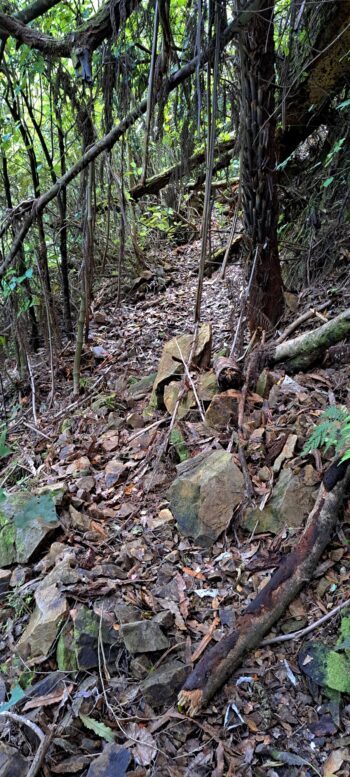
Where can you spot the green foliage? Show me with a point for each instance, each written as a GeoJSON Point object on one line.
{"type": "Point", "coordinates": [329, 666]}
{"type": "Point", "coordinates": [337, 146]}
{"type": "Point", "coordinates": [100, 729]}
{"type": "Point", "coordinates": [333, 430]}
{"type": "Point", "coordinates": [4, 450]}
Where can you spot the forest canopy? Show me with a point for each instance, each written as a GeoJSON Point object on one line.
{"type": "Point", "coordinates": [106, 105]}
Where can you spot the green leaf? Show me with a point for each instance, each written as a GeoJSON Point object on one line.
{"type": "Point", "coordinates": [291, 759]}
{"type": "Point", "coordinates": [343, 105]}
{"type": "Point", "coordinates": [4, 450]}
{"type": "Point", "coordinates": [17, 693]}
{"type": "Point", "coordinates": [328, 182]}
{"type": "Point", "coordinates": [100, 729]}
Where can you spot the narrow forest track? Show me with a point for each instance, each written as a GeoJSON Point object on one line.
{"type": "Point", "coordinates": [128, 560]}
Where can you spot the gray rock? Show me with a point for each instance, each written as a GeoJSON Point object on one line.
{"type": "Point", "coordinates": [41, 632]}
{"type": "Point", "coordinates": [290, 503]}
{"type": "Point", "coordinates": [161, 686]}
{"type": "Point", "coordinates": [203, 497]}
{"type": "Point", "coordinates": [126, 613]}
{"type": "Point", "coordinates": [12, 763]}
{"type": "Point", "coordinates": [179, 348]}
{"type": "Point", "coordinates": [112, 762]}
{"type": "Point", "coordinates": [25, 522]}
{"type": "Point", "coordinates": [143, 637]}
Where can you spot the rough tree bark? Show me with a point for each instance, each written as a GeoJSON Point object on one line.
{"type": "Point", "coordinates": [302, 351]}
{"type": "Point", "coordinates": [318, 74]}
{"type": "Point", "coordinates": [258, 167]}
{"type": "Point", "coordinates": [296, 569]}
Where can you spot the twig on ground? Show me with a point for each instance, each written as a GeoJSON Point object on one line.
{"type": "Point", "coordinates": [43, 739]}
{"type": "Point", "coordinates": [37, 431]}
{"type": "Point", "coordinates": [189, 377]}
{"type": "Point", "coordinates": [298, 321]}
{"type": "Point", "coordinates": [307, 629]}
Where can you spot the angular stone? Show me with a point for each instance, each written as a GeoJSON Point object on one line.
{"type": "Point", "coordinates": [112, 762]}
{"type": "Point", "coordinates": [141, 387]}
{"type": "Point", "coordinates": [25, 522]}
{"type": "Point", "coordinates": [161, 686]}
{"type": "Point", "coordinates": [290, 504]}
{"type": "Point", "coordinates": [207, 386]}
{"type": "Point", "coordinates": [5, 577]}
{"type": "Point", "coordinates": [177, 349]}
{"type": "Point", "coordinates": [223, 410]}
{"type": "Point", "coordinates": [86, 629]}
{"type": "Point", "coordinates": [40, 634]}
{"type": "Point", "coordinates": [12, 763]}
{"type": "Point", "coordinates": [126, 613]}
{"type": "Point", "coordinates": [171, 393]}
{"type": "Point", "coordinates": [203, 497]}
{"type": "Point", "coordinates": [143, 637]}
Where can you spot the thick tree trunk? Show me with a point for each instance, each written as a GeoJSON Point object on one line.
{"type": "Point", "coordinates": [258, 167]}
{"type": "Point", "coordinates": [317, 74]}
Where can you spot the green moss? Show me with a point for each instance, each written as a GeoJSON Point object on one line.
{"type": "Point", "coordinates": [338, 672]}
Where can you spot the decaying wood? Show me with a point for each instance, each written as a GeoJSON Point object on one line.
{"type": "Point", "coordinates": [228, 373]}
{"type": "Point", "coordinates": [214, 262]}
{"type": "Point", "coordinates": [299, 353]}
{"type": "Point", "coordinates": [295, 570]}
{"type": "Point", "coordinates": [157, 182]}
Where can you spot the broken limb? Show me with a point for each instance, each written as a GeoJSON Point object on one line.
{"type": "Point", "coordinates": [157, 182]}
{"type": "Point", "coordinates": [296, 569]}
{"type": "Point", "coordinates": [305, 349]}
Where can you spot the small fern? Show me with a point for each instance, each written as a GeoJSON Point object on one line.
{"type": "Point", "coordinates": [333, 429]}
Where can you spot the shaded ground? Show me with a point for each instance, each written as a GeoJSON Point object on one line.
{"type": "Point", "coordinates": [131, 562]}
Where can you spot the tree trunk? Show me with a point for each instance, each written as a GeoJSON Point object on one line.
{"type": "Point", "coordinates": [258, 167]}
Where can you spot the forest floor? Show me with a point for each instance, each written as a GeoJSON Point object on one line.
{"type": "Point", "coordinates": [119, 558]}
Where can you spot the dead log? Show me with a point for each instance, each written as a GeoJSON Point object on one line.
{"type": "Point", "coordinates": [228, 373]}
{"type": "Point", "coordinates": [304, 350]}
{"type": "Point", "coordinates": [157, 182]}
{"type": "Point", "coordinates": [296, 569]}
{"type": "Point", "coordinates": [215, 260]}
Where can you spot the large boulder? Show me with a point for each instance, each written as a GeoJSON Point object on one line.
{"type": "Point", "coordinates": [204, 496]}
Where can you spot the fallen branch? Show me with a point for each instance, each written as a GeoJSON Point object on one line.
{"type": "Point", "coordinates": [305, 349]}
{"type": "Point", "coordinates": [295, 570]}
{"type": "Point", "coordinates": [43, 739]}
{"type": "Point", "coordinates": [157, 182]}
{"type": "Point", "coordinates": [307, 629]}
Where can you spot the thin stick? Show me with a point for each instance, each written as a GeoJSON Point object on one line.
{"type": "Point", "coordinates": [307, 629]}
{"type": "Point", "coordinates": [300, 320]}
{"type": "Point", "coordinates": [44, 740]}
{"type": "Point", "coordinates": [37, 431]}
{"type": "Point", "coordinates": [189, 377]}
{"type": "Point", "coordinates": [32, 383]}
{"type": "Point", "coordinates": [229, 243]}
{"type": "Point", "coordinates": [244, 302]}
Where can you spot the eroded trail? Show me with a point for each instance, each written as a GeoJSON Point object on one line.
{"type": "Point", "coordinates": [140, 601]}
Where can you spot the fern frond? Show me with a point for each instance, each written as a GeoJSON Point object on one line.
{"type": "Point", "coordinates": [338, 413]}
{"type": "Point", "coordinates": [334, 429]}
{"type": "Point", "coordinates": [320, 436]}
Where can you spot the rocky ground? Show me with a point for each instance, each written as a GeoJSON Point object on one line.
{"type": "Point", "coordinates": [127, 549]}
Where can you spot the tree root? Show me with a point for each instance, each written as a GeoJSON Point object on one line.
{"type": "Point", "coordinates": [296, 569]}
